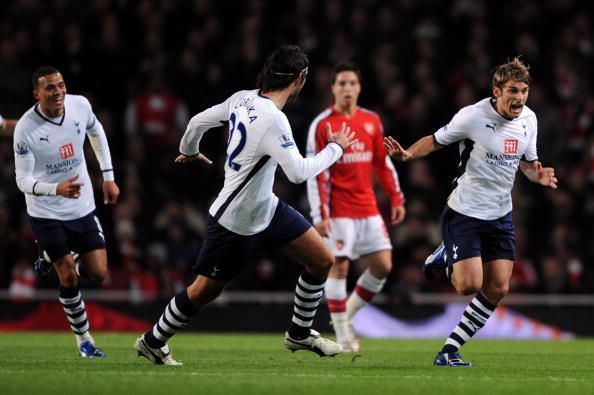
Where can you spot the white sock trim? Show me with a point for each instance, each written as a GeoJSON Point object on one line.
{"type": "Point", "coordinates": [336, 288]}
{"type": "Point", "coordinates": [371, 283]}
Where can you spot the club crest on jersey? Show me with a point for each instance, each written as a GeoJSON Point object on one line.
{"type": "Point", "coordinates": [286, 141]}
{"type": "Point", "coordinates": [510, 147]}
{"type": "Point", "coordinates": [77, 123]}
{"type": "Point", "coordinates": [369, 128]}
{"type": "Point", "coordinates": [339, 245]}
{"type": "Point", "coordinates": [66, 151]}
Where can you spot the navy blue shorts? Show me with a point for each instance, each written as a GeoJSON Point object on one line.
{"type": "Point", "coordinates": [467, 237]}
{"type": "Point", "coordinates": [224, 253]}
{"type": "Point", "coordinates": [57, 238]}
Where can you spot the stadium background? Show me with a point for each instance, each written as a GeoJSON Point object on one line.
{"type": "Point", "coordinates": [147, 66]}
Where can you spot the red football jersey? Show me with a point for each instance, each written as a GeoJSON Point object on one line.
{"type": "Point", "coordinates": [157, 115]}
{"type": "Point", "coordinates": [346, 188]}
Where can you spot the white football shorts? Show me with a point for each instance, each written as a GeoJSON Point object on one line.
{"type": "Point", "coordinates": [354, 237]}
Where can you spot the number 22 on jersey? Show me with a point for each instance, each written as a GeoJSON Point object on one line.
{"type": "Point", "coordinates": [235, 125]}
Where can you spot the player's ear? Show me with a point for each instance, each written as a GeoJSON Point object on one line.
{"type": "Point", "coordinates": [496, 91]}
{"type": "Point", "coordinates": [302, 77]}
{"type": "Point", "coordinates": [35, 94]}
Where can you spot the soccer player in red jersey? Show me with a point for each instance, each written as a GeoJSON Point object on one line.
{"type": "Point", "coordinates": [343, 203]}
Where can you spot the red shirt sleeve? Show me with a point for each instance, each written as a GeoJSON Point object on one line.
{"type": "Point", "coordinates": [323, 179]}
{"type": "Point", "coordinates": [385, 170]}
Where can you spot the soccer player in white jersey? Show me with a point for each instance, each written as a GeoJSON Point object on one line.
{"type": "Point", "coordinates": [495, 136]}
{"type": "Point", "coordinates": [247, 216]}
{"type": "Point", "coordinates": [51, 171]}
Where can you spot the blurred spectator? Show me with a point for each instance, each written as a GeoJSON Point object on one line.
{"type": "Point", "coordinates": [158, 115]}
{"type": "Point", "coordinates": [22, 283]}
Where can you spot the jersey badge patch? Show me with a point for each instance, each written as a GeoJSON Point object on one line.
{"type": "Point", "coordinates": [66, 151]}
{"type": "Point", "coordinates": [286, 141]}
{"type": "Point", "coordinates": [369, 128]}
{"type": "Point", "coordinates": [510, 147]}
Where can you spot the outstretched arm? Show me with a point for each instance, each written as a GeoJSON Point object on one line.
{"type": "Point", "coordinates": [296, 167]}
{"type": "Point", "coordinates": [421, 148]}
{"type": "Point", "coordinates": [318, 187]}
{"type": "Point", "coordinates": [198, 125]}
{"type": "Point", "coordinates": [388, 179]}
{"type": "Point", "coordinates": [540, 175]}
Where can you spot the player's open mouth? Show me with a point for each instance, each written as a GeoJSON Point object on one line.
{"type": "Point", "coordinates": [58, 99]}
{"type": "Point", "coordinates": [517, 107]}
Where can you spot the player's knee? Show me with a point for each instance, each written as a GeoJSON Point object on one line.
{"type": "Point", "coordinates": [340, 271]}
{"type": "Point", "coordinates": [468, 286]}
{"type": "Point", "coordinates": [382, 270]}
{"type": "Point", "coordinates": [496, 292]}
{"type": "Point", "coordinates": [327, 261]}
{"type": "Point", "coordinates": [98, 274]}
{"type": "Point", "coordinates": [322, 262]}
{"type": "Point", "coordinates": [69, 278]}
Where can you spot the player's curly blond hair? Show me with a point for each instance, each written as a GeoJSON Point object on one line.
{"type": "Point", "coordinates": [513, 70]}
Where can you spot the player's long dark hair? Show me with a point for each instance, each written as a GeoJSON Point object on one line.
{"type": "Point", "coordinates": [282, 67]}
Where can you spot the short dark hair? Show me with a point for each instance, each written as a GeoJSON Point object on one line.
{"type": "Point", "coordinates": [345, 66]}
{"type": "Point", "coordinates": [282, 68]}
{"type": "Point", "coordinates": [42, 72]}
{"type": "Point", "coordinates": [513, 70]}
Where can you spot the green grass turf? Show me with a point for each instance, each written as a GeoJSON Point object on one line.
{"type": "Point", "coordinates": [47, 363]}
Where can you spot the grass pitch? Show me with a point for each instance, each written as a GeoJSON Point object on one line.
{"type": "Point", "coordinates": [47, 364]}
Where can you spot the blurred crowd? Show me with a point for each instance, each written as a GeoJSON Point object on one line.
{"type": "Point", "coordinates": [147, 66]}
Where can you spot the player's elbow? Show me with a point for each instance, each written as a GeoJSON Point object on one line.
{"type": "Point", "coordinates": [22, 184]}
{"type": "Point", "coordinates": [296, 178]}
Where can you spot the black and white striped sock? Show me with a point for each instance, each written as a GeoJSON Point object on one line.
{"type": "Point", "coordinates": [176, 316]}
{"type": "Point", "coordinates": [474, 318]}
{"type": "Point", "coordinates": [308, 292]}
{"type": "Point", "coordinates": [74, 307]}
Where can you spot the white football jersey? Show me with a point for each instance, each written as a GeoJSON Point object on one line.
{"type": "Point", "coordinates": [260, 137]}
{"type": "Point", "coordinates": [491, 148]}
{"type": "Point", "coordinates": [49, 151]}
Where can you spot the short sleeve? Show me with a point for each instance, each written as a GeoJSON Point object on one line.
{"type": "Point", "coordinates": [530, 155]}
{"type": "Point", "coordinates": [91, 119]}
{"type": "Point", "coordinates": [457, 129]}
